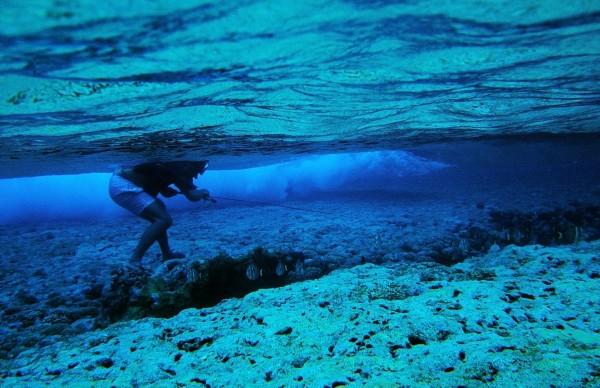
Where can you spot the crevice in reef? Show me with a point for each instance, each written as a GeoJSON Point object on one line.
{"type": "Point", "coordinates": [179, 284]}
{"type": "Point", "coordinates": [574, 223]}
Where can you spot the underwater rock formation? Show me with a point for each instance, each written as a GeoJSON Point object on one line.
{"type": "Point", "coordinates": [53, 305]}
{"type": "Point", "coordinates": [560, 226]}
{"type": "Point", "coordinates": [120, 293]}
{"type": "Point", "coordinates": [513, 316]}
{"type": "Point", "coordinates": [179, 284]}
{"type": "Point", "coordinates": [577, 222]}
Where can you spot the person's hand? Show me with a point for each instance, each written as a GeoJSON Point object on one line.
{"type": "Point", "coordinates": [205, 194]}
{"type": "Point", "coordinates": [197, 195]}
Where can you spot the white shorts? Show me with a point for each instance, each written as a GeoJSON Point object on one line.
{"type": "Point", "coordinates": [127, 195]}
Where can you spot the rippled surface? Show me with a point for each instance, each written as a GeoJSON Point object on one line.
{"type": "Point", "coordinates": [85, 86]}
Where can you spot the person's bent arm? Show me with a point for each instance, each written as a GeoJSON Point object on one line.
{"type": "Point", "coordinates": [196, 194]}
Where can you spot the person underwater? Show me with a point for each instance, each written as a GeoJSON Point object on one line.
{"type": "Point", "coordinates": [136, 189]}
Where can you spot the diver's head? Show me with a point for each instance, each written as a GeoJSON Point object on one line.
{"type": "Point", "coordinates": [191, 168]}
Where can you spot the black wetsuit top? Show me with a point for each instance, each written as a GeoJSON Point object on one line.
{"type": "Point", "coordinates": [156, 177]}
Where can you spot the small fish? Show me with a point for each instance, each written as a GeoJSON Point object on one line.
{"type": "Point", "coordinates": [299, 267]}
{"type": "Point", "coordinates": [280, 269]}
{"type": "Point", "coordinates": [252, 272]}
{"type": "Point", "coordinates": [517, 235]}
{"type": "Point", "coordinates": [192, 275]}
{"type": "Point", "coordinates": [463, 245]}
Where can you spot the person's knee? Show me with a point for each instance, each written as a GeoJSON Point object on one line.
{"type": "Point", "coordinates": [157, 214]}
{"type": "Point", "coordinates": [166, 221]}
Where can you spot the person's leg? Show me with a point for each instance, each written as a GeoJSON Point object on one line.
{"type": "Point", "coordinates": [157, 214]}
{"type": "Point", "coordinates": [163, 242]}
{"type": "Point", "coordinates": [163, 239]}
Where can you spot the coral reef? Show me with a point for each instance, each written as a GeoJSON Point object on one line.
{"type": "Point", "coordinates": [523, 314]}
{"type": "Point", "coordinates": [42, 303]}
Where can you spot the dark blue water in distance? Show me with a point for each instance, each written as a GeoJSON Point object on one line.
{"type": "Point", "coordinates": [439, 159]}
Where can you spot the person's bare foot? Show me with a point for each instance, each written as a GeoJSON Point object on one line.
{"type": "Point", "coordinates": [134, 264]}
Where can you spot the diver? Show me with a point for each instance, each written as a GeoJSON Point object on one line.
{"type": "Point", "coordinates": [136, 189]}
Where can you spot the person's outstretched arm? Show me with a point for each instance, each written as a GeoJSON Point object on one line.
{"type": "Point", "coordinates": [184, 182]}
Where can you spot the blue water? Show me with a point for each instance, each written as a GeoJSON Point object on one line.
{"type": "Point", "coordinates": [87, 86]}
{"type": "Point", "coordinates": [343, 132]}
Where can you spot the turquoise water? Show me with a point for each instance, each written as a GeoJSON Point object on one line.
{"type": "Point", "coordinates": [404, 193]}
{"type": "Point", "coordinates": [89, 85]}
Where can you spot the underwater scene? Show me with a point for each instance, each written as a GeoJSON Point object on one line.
{"type": "Point", "coordinates": [309, 193]}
